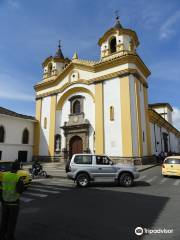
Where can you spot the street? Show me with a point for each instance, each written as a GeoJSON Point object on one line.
{"type": "Point", "coordinates": [54, 209]}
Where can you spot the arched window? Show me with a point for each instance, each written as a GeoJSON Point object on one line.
{"type": "Point", "coordinates": [111, 113]}
{"type": "Point", "coordinates": [25, 137]}
{"type": "Point", "coordinates": [76, 107]}
{"type": "Point", "coordinates": [112, 45]}
{"type": "Point", "coordinates": [2, 134]}
{"type": "Point", "coordinates": [49, 68]}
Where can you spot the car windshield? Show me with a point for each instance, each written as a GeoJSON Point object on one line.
{"type": "Point", "coordinates": [6, 166]}
{"type": "Point", "coordinates": [172, 161]}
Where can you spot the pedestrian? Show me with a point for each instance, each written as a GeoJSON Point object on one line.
{"type": "Point", "coordinates": [12, 187]}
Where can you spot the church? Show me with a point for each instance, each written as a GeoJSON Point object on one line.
{"type": "Point", "coordinates": [101, 106]}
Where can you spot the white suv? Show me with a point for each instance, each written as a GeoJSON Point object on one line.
{"type": "Point", "coordinates": [84, 168]}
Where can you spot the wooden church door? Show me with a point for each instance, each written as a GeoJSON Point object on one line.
{"type": "Point", "coordinates": [75, 146]}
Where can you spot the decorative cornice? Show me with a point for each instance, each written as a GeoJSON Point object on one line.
{"type": "Point", "coordinates": [84, 62]}
{"type": "Point", "coordinates": [61, 89]}
{"type": "Point", "coordinates": [121, 73]}
{"type": "Point", "coordinates": [128, 57]}
{"type": "Point", "coordinates": [160, 105]}
{"type": "Point", "coordinates": [60, 77]}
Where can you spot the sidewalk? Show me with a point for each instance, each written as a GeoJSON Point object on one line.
{"type": "Point", "coordinates": [57, 170]}
{"type": "Point", "coordinates": [142, 168]}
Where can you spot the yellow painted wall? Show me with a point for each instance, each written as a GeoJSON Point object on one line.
{"type": "Point", "coordinates": [52, 125]}
{"type": "Point", "coordinates": [37, 127]}
{"type": "Point", "coordinates": [148, 131]}
{"type": "Point", "coordinates": [139, 123]}
{"type": "Point", "coordinates": [127, 147]}
{"type": "Point", "coordinates": [99, 118]}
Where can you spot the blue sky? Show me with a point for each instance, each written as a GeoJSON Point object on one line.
{"type": "Point", "coordinates": [30, 30]}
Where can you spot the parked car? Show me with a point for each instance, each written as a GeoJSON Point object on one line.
{"type": "Point", "coordinates": [171, 166]}
{"type": "Point", "coordinates": [5, 166]}
{"type": "Point", "coordinates": [85, 168]}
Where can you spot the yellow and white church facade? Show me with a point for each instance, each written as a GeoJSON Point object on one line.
{"type": "Point", "coordinates": [101, 106]}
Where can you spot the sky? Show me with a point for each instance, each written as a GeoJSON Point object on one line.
{"type": "Point", "coordinates": [30, 31]}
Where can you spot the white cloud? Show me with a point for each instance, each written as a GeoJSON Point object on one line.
{"type": "Point", "coordinates": [151, 16]}
{"type": "Point", "coordinates": [176, 117]}
{"type": "Point", "coordinates": [13, 89]}
{"type": "Point", "coordinates": [168, 29]}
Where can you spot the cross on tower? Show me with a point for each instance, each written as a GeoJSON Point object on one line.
{"type": "Point", "coordinates": [59, 44]}
{"type": "Point", "coordinates": [117, 14]}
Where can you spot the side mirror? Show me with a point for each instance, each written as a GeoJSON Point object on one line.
{"type": "Point", "coordinates": [110, 162]}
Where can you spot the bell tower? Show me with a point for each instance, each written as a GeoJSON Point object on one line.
{"type": "Point", "coordinates": [54, 65]}
{"type": "Point", "coordinates": [118, 40]}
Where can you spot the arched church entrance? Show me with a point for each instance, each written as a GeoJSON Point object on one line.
{"type": "Point", "coordinates": [75, 145]}
{"type": "Point", "coordinates": [76, 129]}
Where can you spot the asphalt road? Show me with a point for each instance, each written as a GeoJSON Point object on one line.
{"type": "Point", "coordinates": [55, 209]}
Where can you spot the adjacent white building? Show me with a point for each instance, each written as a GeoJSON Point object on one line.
{"type": "Point", "coordinates": [16, 136]}
{"type": "Point", "coordinates": [164, 136]}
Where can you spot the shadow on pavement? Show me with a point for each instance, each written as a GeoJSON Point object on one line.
{"type": "Point", "coordinates": [141, 184]}
{"type": "Point", "coordinates": [173, 177]}
{"type": "Point", "coordinates": [116, 184]}
{"type": "Point", "coordinates": [89, 214]}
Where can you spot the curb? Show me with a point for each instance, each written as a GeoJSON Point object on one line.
{"type": "Point", "coordinates": [141, 170]}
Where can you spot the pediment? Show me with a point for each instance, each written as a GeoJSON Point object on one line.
{"type": "Point", "coordinates": [72, 69]}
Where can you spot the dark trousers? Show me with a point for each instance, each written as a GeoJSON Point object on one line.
{"type": "Point", "coordinates": [8, 221]}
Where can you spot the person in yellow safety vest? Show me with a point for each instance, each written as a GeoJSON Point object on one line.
{"type": "Point", "coordinates": [12, 187]}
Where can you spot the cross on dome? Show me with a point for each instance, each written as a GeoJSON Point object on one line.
{"type": "Point", "coordinates": [117, 24]}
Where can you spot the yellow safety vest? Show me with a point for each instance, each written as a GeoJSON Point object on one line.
{"type": "Point", "coordinates": [9, 182]}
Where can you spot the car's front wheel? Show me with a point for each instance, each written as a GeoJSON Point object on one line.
{"type": "Point", "coordinates": [126, 180]}
{"type": "Point", "coordinates": [82, 180]}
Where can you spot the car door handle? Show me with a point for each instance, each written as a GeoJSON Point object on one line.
{"type": "Point", "coordinates": [100, 168]}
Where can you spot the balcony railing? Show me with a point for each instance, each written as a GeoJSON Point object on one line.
{"type": "Point", "coordinates": [50, 74]}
